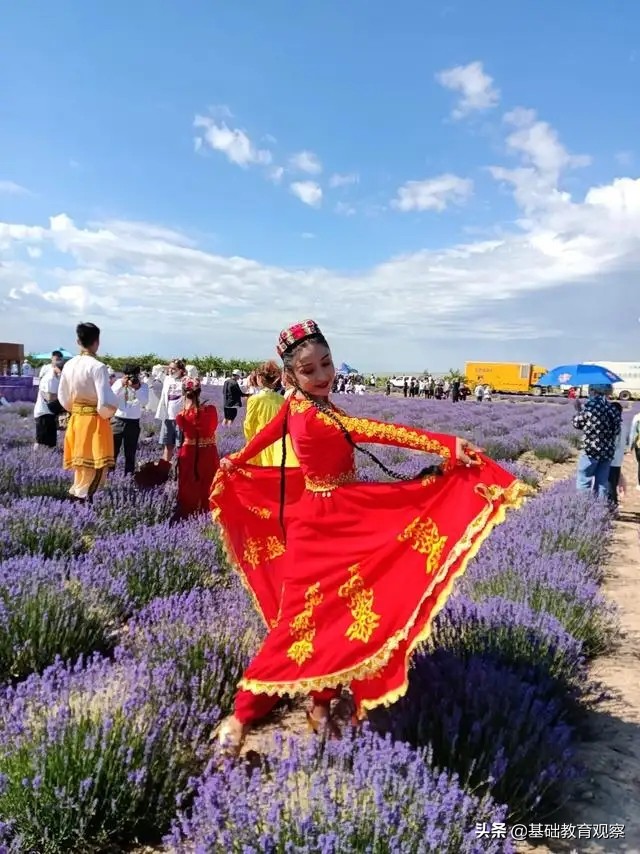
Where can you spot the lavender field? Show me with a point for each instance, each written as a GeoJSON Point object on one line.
{"type": "Point", "coordinates": [122, 639]}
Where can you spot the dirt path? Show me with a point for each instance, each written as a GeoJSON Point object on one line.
{"type": "Point", "coordinates": [611, 793]}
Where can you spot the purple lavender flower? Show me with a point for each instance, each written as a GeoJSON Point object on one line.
{"type": "Point", "coordinates": [358, 794]}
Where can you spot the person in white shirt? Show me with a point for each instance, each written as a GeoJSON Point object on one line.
{"type": "Point", "coordinates": [170, 405]}
{"type": "Point", "coordinates": [27, 370]}
{"type": "Point", "coordinates": [56, 356]}
{"type": "Point", "coordinates": [133, 395]}
{"type": "Point", "coordinates": [86, 393]}
{"type": "Point", "coordinates": [479, 392]}
{"type": "Point", "coordinates": [47, 407]}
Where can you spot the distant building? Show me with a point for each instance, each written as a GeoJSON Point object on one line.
{"type": "Point", "coordinates": [10, 354]}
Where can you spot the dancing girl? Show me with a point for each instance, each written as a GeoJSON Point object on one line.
{"type": "Point", "coordinates": [347, 575]}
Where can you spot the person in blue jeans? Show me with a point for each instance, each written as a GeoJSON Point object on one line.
{"type": "Point", "coordinates": [600, 423]}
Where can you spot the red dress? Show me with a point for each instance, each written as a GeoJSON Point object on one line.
{"type": "Point", "coordinates": [366, 566]}
{"type": "Point", "coordinates": [198, 459]}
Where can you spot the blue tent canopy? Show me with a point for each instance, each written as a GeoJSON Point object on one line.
{"type": "Point", "coordinates": [347, 369]}
{"type": "Point", "coordinates": [44, 357]}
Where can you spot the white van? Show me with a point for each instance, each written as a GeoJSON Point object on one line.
{"type": "Point", "coordinates": [629, 388]}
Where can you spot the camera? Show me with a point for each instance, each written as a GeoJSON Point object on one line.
{"type": "Point", "coordinates": [131, 376]}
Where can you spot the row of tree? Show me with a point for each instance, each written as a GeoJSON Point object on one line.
{"type": "Point", "coordinates": [204, 364]}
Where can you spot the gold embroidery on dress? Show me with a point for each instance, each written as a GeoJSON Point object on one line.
{"type": "Point", "coordinates": [297, 407]}
{"type": "Point", "coordinates": [303, 628]}
{"type": "Point", "coordinates": [375, 430]}
{"type": "Point", "coordinates": [262, 512]}
{"type": "Point", "coordinates": [252, 552]}
{"type": "Point", "coordinates": [329, 482]}
{"type": "Point", "coordinates": [275, 547]}
{"type": "Point", "coordinates": [360, 602]}
{"type": "Point", "coordinates": [425, 539]}
{"type": "Point", "coordinates": [256, 551]}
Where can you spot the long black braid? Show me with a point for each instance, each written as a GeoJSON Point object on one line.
{"type": "Point", "coordinates": [328, 410]}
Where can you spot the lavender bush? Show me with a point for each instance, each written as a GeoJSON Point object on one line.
{"type": "Point", "coordinates": [156, 561]}
{"type": "Point", "coordinates": [48, 612]}
{"type": "Point", "coordinates": [208, 635]}
{"type": "Point", "coordinates": [501, 728]}
{"type": "Point", "coordinates": [364, 794]}
{"type": "Point", "coordinates": [122, 507]}
{"type": "Point", "coordinates": [46, 527]}
{"type": "Point", "coordinates": [514, 634]}
{"type": "Point", "coordinates": [96, 755]}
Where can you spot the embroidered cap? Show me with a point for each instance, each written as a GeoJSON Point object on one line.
{"type": "Point", "coordinates": [295, 334]}
{"type": "Point", "coordinates": [190, 384]}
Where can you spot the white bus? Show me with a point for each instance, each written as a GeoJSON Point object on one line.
{"type": "Point", "coordinates": [629, 388]}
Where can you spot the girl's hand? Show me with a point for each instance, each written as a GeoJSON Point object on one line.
{"type": "Point", "coordinates": [467, 453]}
{"type": "Point", "coordinates": [227, 465]}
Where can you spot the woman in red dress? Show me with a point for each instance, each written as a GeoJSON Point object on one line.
{"type": "Point", "coordinates": [347, 575]}
{"type": "Point", "coordinates": [198, 459]}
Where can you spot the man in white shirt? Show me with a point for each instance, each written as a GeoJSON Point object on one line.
{"type": "Point", "coordinates": [56, 356]}
{"type": "Point", "coordinates": [26, 370]}
{"type": "Point", "coordinates": [47, 407]}
{"type": "Point", "coordinates": [133, 395]}
{"type": "Point", "coordinates": [85, 392]}
{"type": "Point", "coordinates": [170, 405]}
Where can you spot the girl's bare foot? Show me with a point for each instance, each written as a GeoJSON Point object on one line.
{"type": "Point", "coordinates": [230, 734]}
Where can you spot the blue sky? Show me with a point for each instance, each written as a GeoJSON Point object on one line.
{"type": "Point", "coordinates": [433, 182]}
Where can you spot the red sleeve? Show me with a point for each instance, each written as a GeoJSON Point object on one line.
{"type": "Point", "coordinates": [180, 421]}
{"type": "Point", "coordinates": [270, 433]}
{"type": "Point", "coordinates": [381, 433]}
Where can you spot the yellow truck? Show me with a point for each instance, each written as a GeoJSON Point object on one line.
{"type": "Point", "coordinates": [506, 377]}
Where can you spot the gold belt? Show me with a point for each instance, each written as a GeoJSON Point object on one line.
{"type": "Point", "coordinates": [203, 443]}
{"type": "Point", "coordinates": [83, 409]}
{"type": "Point", "coordinates": [325, 485]}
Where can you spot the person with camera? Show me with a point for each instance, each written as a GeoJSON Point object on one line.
{"type": "Point", "coordinates": [48, 408]}
{"type": "Point", "coordinates": [132, 395]}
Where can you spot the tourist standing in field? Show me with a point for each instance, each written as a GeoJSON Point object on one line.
{"type": "Point", "coordinates": [198, 458]}
{"type": "Point", "coordinates": [133, 396]}
{"type": "Point", "coordinates": [232, 396]}
{"type": "Point", "coordinates": [616, 478]}
{"type": "Point", "coordinates": [347, 575]}
{"type": "Point", "coordinates": [47, 407]}
{"type": "Point", "coordinates": [85, 392]}
{"type": "Point", "coordinates": [261, 408]}
{"type": "Point", "coordinates": [169, 407]}
{"type": "Point", "coordinates": [600, 423]}
{"type": "Point", "coordinates": [633, 442]}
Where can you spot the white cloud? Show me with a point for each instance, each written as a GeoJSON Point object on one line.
{"type": "Point", "coordinates": [232, 142]}
{"type": "Point", "coordinates": [306, 161]}
{"type": "Point", "coordinates": [307, 235]}
{"type": "Point", "coordinates": [10, 188]}
{"type": "Point", "coordinates": [624, 158]}
{"type": "Point", "coordinates": [152, 291]}
{"type": "Point", "coordinates": [476, 88]}
{"type": "Point", "coordinates": [345, 209]}
{"type": "Point", "coordinates": [338, 180]}
{"type": "Point", "coordinates": [433, 194]}
{"type": "Point", "coordinates": [544, 159]}
{"type": "Point", "coordinates": [275, 174]}
{"type": "Point", "coordinates": [308, 192]}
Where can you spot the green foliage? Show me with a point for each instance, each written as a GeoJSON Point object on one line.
{"type": "Point", "coordinates": [455, 374]}
{"type": "Point", "coordinates": [204, 364]}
